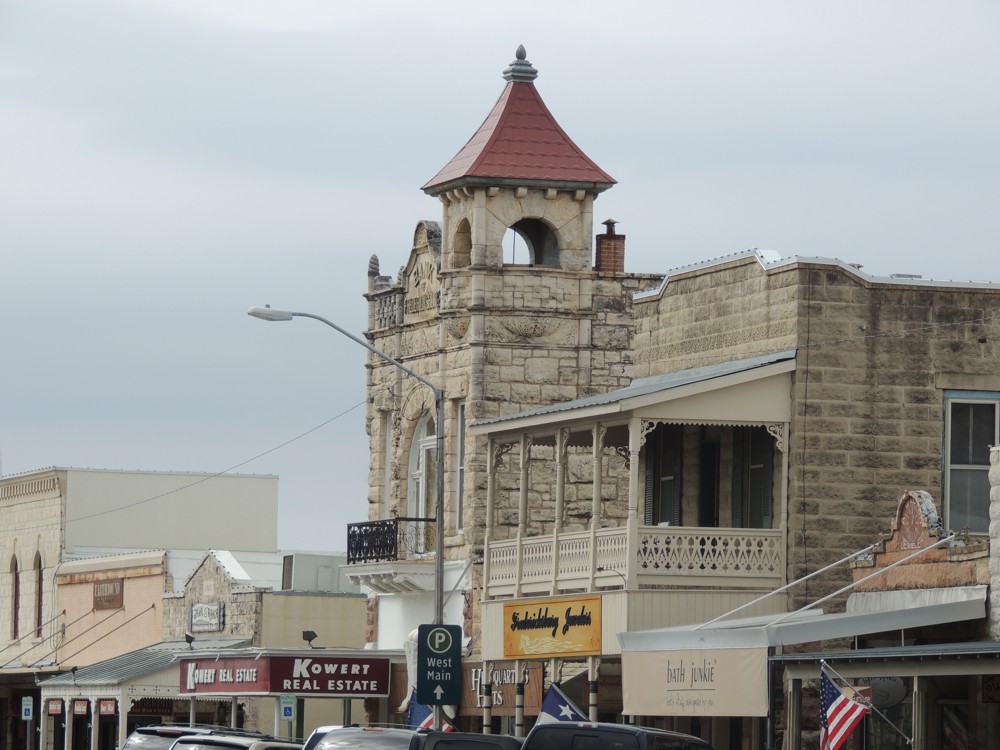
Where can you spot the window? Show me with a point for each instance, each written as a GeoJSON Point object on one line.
{"type": "Point", "coordinates": [38, 595]}
{"type": "Point", "coordinates": [971, 428]}
{"type": "Point", "coordinates": [15, 600]}
{"type": "Point", "coordinates": [664, 465]}
{"type": "Point", "coordinates": [531, 242]}
{"type": "Point", "coordinates": [386, 463]}
{"type": "Point", "coordinates": [460, 466]}
{"type": "Point", "coordinates": [753, 465]}
{"type": "Point", "coordinates": [422, 498]}
{"type": "Point", "coordinates": [716, 456]}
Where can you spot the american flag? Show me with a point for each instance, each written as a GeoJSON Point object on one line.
{"type": "Point", "coordinates": [839, 715]}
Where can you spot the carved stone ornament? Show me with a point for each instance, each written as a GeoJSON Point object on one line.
{"type": "Point", "coordinates": [916, 524]}
{"type": "Point", "coordinates": [520, 329]}
{"type": "Point", "coordinates": [456, 327]}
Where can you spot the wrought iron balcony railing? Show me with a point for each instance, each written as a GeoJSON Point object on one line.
{"type": "Point", "coordinates": [389, 539]}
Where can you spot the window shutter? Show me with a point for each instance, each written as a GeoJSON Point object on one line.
{"type": "Point", "coordinates": [652, 443]}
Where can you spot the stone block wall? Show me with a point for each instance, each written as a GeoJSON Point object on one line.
{"type": "Point", "coordinates": [210, 584]}
{"type": "Point", "coordinates": [869, 414]}
{"type": "Point", "coordinates": [733, 310]}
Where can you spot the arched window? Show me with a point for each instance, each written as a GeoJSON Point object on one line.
{"type": "Point", "coordinates": [15, 600]}
{"type": "Point", "coordinates": [461, 245]}
{"type": "Point", "coordinates": [421, 501]}
{"type": "Point", "coordinates": [38, 595]}
{"type": "Point", "coordinates": [531, 242]}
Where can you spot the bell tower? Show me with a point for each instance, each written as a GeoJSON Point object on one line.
{"type": "Point", "coordinates": [519, 172]}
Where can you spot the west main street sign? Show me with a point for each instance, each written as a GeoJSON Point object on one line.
{"type": "Point", "coordinates": [439, 665]}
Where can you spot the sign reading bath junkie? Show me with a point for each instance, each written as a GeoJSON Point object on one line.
{"type": "Point", "coordinates": [331, 676]}
{"type": "Point", "coordinates": [545, 628]}
{"type": "Point", "coordinates": [695, 682]}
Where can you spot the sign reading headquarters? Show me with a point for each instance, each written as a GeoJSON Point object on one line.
{"type": "Point", "coordinates": [544, 628]}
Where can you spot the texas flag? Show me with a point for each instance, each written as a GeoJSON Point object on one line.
{"type": "Point", "coordinates": [557, 707]}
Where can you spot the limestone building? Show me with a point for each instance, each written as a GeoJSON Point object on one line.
{"type": "Point", "coordinates": [498, 334]}
{"type": "Point", "coordinates": [646, 450]}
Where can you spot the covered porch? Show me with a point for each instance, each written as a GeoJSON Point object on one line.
{"type": "Point", "coordinates": [678, 482]}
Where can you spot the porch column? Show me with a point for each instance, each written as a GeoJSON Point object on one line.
{"type": "Point", "coordinates": [43, 723]}
{"type": "Point", "coordinates": [918, 730]}
{"type": "Point", "coordinates": [635, 438]}
{"type": "Point", "coordinates": [592, 667]}
{"type": "Point", "coordinates": [124, 704]}
{"type": "Point", "coordinates": [491, 489]}
{"type": "Point", "coordinates": [562, 441]}
{"type": "Point", "coordinates": [522, 502]}
{"type": "Point", "coordinates": [68, 715]}
{"type": "Point", "coordinates": [95, 722]}
{"type": "Point", "coordinates": [595, 510]}
{"type": "Point", "coordinates": [598, 460]}
{"type": "Point", "coordinates": [234, 709]}
{"type": "Point", "coordinates": [487, 687]}
{"type": "Point", "coordinates": [519, 699]}
{"type": "Point", "coordinates": [793, 715]}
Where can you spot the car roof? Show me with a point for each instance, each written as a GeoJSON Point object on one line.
{"type": "Point", "coordinates": [624, 729]}
{"type": "Point", "coordinates": [366, 736]}
{"type": "Point", "coordinates": [256, 741]}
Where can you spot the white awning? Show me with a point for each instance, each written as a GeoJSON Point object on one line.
{"type": "Point", "coordinates": [925, 607]}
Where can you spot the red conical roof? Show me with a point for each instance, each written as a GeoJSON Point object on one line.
{"type": "Point", "coordinates": [520, 141]}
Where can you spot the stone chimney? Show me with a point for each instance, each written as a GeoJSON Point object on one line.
{"type": "Point", "coordinates": [610, 255]}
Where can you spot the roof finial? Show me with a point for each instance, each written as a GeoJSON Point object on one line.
{"type": "Point", "coordinates": [520, 69]}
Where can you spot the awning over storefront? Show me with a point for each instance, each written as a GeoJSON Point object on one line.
{"type": "Point", "coordinates": [692, 670]}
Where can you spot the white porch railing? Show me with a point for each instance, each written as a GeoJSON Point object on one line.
{"type": "Point", "coordinates": [665, 556]}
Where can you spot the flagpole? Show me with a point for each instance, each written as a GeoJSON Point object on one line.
{"type": "Point", "coordinates": [824, 665]}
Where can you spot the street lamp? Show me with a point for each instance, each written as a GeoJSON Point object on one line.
{"type": "Point", "coordinates": [273, 314]}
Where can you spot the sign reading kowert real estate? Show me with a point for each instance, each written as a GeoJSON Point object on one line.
{"type": "Point", "coordinates": [347, 677]}
{"type": "Point", "coordinates": [329, 676]}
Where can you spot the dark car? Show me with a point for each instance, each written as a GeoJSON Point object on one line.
{"type": "Point", "coordinates": [464, 741]}
{"type": "Point", "coordinates": [572, 735]}
{"type": "Point", "coordinates": [162, 736]}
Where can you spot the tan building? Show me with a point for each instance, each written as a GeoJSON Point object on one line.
{"type": "Point", "coordinates": [230, 608]}
{"type": "Point", "coordinates": [51, 514]}
{"type": "Point", "coordinates": [645, 450]}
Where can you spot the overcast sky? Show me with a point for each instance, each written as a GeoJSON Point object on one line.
{"type": "Point", "coordinates": [166, 164]}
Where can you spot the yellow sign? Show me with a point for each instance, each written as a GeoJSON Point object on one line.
{"type": "Point", "coordinates": [695, 682]}
{"type": "Point", "coordinates": [545, 628]}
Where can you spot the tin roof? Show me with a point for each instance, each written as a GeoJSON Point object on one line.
{"type": "Point", "coordinates": [145, 661]}
{"type": "Point", "coordinates": [520, 140]}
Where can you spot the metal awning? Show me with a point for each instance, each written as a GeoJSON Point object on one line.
{"type": "Point", "coordinates": [940, 606]}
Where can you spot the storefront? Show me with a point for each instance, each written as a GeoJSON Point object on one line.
{"type": "Point", "coordinates": [97, 706]}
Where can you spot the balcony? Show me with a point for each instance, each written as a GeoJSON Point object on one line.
{"type": "Point", "coordinates": [663, 557]}
{"type": "Point", "coordinates": [389, 539]}
{"type": "Point", "coordinates": [393, 555]}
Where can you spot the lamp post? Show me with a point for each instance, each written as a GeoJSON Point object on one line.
{"type": "Point", "coordinates": [273, 314]}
